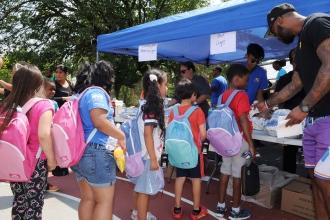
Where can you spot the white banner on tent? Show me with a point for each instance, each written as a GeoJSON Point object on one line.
{"type": "Point", "coordinates": [223, 43]}
{"type": "Point", "coordinates": [147, 52]}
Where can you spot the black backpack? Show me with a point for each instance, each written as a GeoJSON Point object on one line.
{"type": "Point", "coordinates": [250, 179]}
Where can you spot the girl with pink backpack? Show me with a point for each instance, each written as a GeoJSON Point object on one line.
{"type": "Point", "coordinates": [96, 169]}
{"type": "Point", "coordinates": [22, 163]}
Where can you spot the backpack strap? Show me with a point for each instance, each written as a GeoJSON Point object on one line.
{"type": "Point", "coordinates": [175, 110]}
{"type": "Point", "coordinates": [91, 135]}
{"type": "Point", "coordinates": [220, 100]}
{"type": "Point", "coordinates": [190, 111]}
{"type": "Point", "coordinates": [29, 104]}
{"type": "Point", "coordinates": [231, 97]}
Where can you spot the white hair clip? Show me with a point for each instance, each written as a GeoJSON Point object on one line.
{"type": "Point", "coordinates": [153, 77]}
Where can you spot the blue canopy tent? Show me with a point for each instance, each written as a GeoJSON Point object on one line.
{"type": "Point", "coordinates": [186, 36]}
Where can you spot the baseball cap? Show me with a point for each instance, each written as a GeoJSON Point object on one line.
{"type": "Point", "coordinates": [276, 12]}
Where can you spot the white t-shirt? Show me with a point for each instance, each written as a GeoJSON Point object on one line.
{"type": "Point", "coordinates": [149, 119]}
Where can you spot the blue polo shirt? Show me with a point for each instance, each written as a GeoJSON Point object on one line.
{"type": "Point", "coordinates": [280, 73]}
{"type": "Point", "coordinates": [218, 86]}
{"type": "Point", "coordinates": [94, 98]}
{"type": "Point", "coordinates": [257, 81]}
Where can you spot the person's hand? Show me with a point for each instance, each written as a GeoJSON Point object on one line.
{"type": "Point", "coordinates": [252, 150]}
{"type": "Point", "coordinates": [122, 144]}
{"type": "Point", "coordinates": [51, 164]}
{"type": "Point", "coordinates": [296, 116]}
{"type": "Point", "coordinates": [265, 114]}
{"type": "Point", "coordinates": [1, 62]}
{"type": "Point", "coordinates": [154, 165]}
{"type": "Point", "coordinates": [261, 106]}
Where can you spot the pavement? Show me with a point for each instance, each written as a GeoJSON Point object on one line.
{"type": "Point", "coordinates": [64, 204]}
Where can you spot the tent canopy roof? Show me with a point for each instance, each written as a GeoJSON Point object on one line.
{"type": "Point", "coordinates": [186, 36]}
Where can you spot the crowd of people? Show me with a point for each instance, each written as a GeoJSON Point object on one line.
{"type": "Point", "coordinates": [304, 90]}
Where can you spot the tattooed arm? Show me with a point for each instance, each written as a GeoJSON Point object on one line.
{"type": "Point", "coordinates": [321, 84]}
{"type": "Point", "coordinates": [289, 91]}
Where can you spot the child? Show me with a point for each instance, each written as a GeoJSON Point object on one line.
{"type": "Point", "coordinates": [47, 91]}
{"type": "Point", "coordinates": [96, 170]}
{"type": "Point", "coordinates": [152, 129]}
{"type": "Point", "coordinates": [186, 92]}
{"type": "Point", "coordinates": [29, 196]}
{"type": "Point", "coordinates": [237, 76]}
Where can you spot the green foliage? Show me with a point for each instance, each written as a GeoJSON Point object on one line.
{"type": "Point", "coordinates": [5, 71]}
{"type": "Point", "coordinates": [49, 32]}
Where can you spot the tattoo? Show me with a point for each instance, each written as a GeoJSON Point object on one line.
{"type": "Point", "coordinates": [321, 84]}
{"type": "Point", "coordinates": [287, 92]}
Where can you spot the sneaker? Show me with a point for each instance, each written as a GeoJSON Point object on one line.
{"type": "Point", "coordinates": [241, 215]}
{"type": "Point", "coordinates": [177, 214]}
{"type": "Point", "coordinates": [200, 215]}
{"type": "Point", "coordinates": [134, 215]}
{"type": "Point", "coordinates": [220, 212]}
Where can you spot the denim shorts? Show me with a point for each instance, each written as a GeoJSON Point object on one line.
{"type": "Point", "coordinates": [97, 166]}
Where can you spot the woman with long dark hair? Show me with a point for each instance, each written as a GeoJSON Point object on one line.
{"type": "Point", "coordinates": [29, 196]}
{"type": "Point", "coordinates": [152, 130]}
{"type": "Point", "coordinates": [96, 170]}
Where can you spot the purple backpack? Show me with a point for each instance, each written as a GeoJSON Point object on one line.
{"type": "Point", "coordinates": [223, 132]}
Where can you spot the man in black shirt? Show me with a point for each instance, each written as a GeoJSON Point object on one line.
{"type": "Point", "coordinates": [202, 86]}
{"type": "Point", "coordinates": [312, 74]}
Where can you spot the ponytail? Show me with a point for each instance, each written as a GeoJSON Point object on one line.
{"type": "Point", "coordinates": [154, 101]}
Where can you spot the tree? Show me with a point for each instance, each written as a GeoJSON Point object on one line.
{"type": "Point", "coordinates": [66, 30]}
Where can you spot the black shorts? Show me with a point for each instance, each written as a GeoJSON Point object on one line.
{"type": "Point", "coordinates": [190, 173]}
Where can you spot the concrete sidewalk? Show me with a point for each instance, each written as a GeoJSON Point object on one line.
{"type": "Point", "coordinates": [57, 205]}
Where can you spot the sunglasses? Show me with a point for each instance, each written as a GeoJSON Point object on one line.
{"type": "Point", "coordinates": [183, 71]}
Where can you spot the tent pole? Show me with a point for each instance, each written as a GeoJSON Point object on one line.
{"type": "Point", "coordinates": [97, 56]}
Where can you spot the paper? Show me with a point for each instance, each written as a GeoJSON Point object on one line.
{"type": "Point", "coordinates": [147, 52]}
{"type": "Point", "coordinates": [283, 131]}
{"type": "Point", "coordinates": [223, 43]}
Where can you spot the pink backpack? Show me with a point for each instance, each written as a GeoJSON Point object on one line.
{"type": "Point", "coordinates": [68, 134]}
{"type": "Point", "coordinates": [17, 161]}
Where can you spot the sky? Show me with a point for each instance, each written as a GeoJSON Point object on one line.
{"type": "Point", "coordinates": [215, 2]}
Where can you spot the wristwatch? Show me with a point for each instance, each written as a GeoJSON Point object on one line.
{"type": "Point", "coordinates": [304, 108]}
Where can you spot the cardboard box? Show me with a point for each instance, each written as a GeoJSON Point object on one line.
{"type": "Point", "coordinates": [297, 198]}
{"type": "Point", "coordinates": [271, 183]}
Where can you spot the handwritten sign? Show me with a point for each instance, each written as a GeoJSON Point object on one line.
{"type": "Point", "coordinates": [223, 43]}
{"type": "Point", "coordinates": [147, 52]}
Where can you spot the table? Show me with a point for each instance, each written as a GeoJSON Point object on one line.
{"type": "Point", "coordinates": [263, 136]}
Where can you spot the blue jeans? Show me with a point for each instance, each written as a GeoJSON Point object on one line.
{"type": "Point", "coordinates": [97, 166]}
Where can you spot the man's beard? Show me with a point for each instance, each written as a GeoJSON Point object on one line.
{"type": "Point", "coordinates": [285, 36]}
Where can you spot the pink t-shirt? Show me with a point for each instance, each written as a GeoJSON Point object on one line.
{"type": "Point", "coordinates": [34, 116]}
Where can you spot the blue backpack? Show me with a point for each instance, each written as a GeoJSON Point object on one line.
{"type": "Point", "coordinates": [223, 132]}
{"type": "Point", "coordinates": [134, 163]}
{"type": "Point", "coordinates": [179, 141]}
